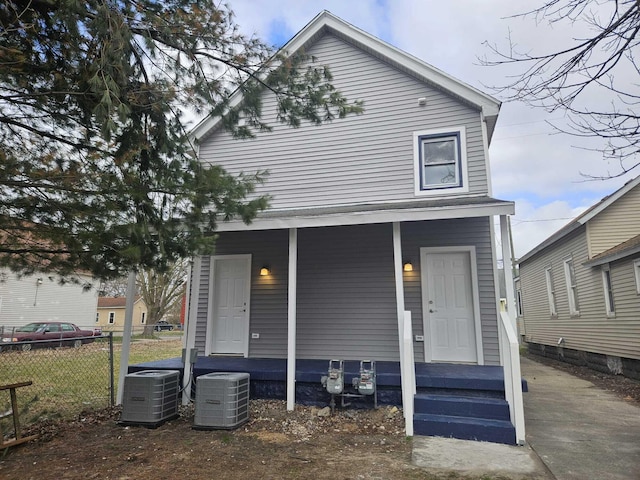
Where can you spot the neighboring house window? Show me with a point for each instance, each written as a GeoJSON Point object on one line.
{"type": "Point", "coordinates": [143, 318]}
{"type": "Point", "coordinates": [636, 269]}
{"type": "Point", "coordinates": [572, 287]}
{"type": "Point", "coordinates": [519, 309]}
{"type": "Point", "coordinates": [112, 317]}
{"type": "Point", "coordinates": [440, 161]}
{"type": "Point", "coordinates": [551, 292]}
{"type": "Point", "coordinates": [97, 317]}
{"type": "Point", "coordinates": [608, 291]}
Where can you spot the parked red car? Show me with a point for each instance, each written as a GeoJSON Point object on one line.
{"type": "Point", "coordinates": [48, 334]}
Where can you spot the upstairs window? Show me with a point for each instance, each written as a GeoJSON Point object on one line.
{"type": "Point", "coordinates": [112, 317]}
{"type": "Point", "coordinates": [636, 269]}
{"type": "Point", "coordinates": [572, 286]}
{"type": "Point", "coordinates": [440, 162]}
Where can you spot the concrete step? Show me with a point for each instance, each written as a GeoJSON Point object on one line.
{"type": "Point", "coordinates": [462, 406]}
{"type": "Point", "coordinates": [464, 428]}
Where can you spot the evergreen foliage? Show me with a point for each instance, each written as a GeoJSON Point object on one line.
{"type": "Point", "coordinates": [97, 171]}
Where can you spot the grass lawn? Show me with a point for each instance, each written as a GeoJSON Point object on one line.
{"type": "Point", "coordinates": [67, 381]}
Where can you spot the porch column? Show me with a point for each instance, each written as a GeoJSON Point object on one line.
{"type": "Point", "coordinates": [190, 324]}
{"type": "Point", "coordinates": [291, 318]}
{"type": "Point", "coordinates": [126, 334]}
{"type": "Point", "coordinates": [505, 238]}
{"type": "Point", "coordinates": [397, 268]}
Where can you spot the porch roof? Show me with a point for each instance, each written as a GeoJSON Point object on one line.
{"type": "Point", "coordinates": [366, 213]}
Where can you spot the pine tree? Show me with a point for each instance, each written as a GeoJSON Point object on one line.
{"type": "Point", "coordinates": [97, 171]}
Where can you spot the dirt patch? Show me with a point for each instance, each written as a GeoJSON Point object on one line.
{"type": "Point", "coordinates": [274, 444]}
{"type": "Point", "coordinates": [626, 388]}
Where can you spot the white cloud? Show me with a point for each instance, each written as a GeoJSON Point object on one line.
{"type": "Point", "coordinates": [532, 224]}
{"type": "Point", "coordinates": [529, 163]}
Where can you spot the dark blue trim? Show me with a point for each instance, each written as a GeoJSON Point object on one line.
{"type": "Point", "coordinates": [428, 375]}
{"type": "Point", "coordinates": [421, 138]}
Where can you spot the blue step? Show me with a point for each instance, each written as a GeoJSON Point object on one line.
{"type": "Point", "coordinates": [464, 428]}
{"type": "Point", "coordinates": [462, 406]}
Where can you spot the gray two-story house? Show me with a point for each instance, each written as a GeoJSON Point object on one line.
{"type": "Point", "coordinates": [371, 216]}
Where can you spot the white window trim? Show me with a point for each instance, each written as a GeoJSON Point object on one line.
{"type": "Point", "coordinates": [460, 132]}
{"type": "Point", "coordinates": [519, 305]}
{"type": "Point", "coordinates": [572, 289]}
{"type": "Point", "coordinates": [111, 319]}
{"type": "Point", "coordinates": [97, 317]}
{"type": "Point", "coordinates": [636, 269]}
{"type": "Point", "coordinates": [551, 293]}
{"type": "Point", "coordinates": [607, 285]}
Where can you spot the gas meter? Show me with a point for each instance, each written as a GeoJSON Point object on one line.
{"type": "Point", "coordinates": [365, 383]}
{"type": "Point", "coordinates": [334, 380]}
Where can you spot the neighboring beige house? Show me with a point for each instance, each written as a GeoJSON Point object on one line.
{"type": "Point", "coordinates": [578, 293]}
{"type": "Point", "coordinates": [110, 314]}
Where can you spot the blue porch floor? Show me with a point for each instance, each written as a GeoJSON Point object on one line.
{"type": "Point", "coordinates": [268, 376]}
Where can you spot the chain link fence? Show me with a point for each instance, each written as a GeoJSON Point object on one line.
{"type": "Point", "coordinates": [68, 381]}
{"type": "Point", "coordinates": [65, 381]}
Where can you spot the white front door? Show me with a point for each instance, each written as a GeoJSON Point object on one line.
{"type": "Point", "coordinates": [231, 286]}
{"type": "Point", "coordinates": [448, 306]}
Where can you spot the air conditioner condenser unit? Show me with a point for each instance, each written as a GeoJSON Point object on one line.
{"type": "Point", "coordinates": [150, 397]}
{"type": "Point", "coordinates": [222, 401]}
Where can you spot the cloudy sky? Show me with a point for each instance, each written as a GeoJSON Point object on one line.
{"type": "Point", "coordinates": [531, 164]}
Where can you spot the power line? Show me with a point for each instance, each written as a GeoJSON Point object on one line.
{"type": "Point", "coordinates": [543, 220]}
{"type": "Point", "coordinates": [529, 123]}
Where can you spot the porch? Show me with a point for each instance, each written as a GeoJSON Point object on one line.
{"type": "Point", "coordinates": [452, 400]}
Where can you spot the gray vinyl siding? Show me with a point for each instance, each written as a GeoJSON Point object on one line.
{"type": "Point", "coordinates": [202, 304]}
{"type": "Point", "coordinates": [445, 233]}
{"type": "Point", "coordinates": [616, 224]}
{"type": "Point", "coordinates": [268, 294]}
{"type": "Point", "coordinates": [362, 158]}
{"type": "Point", "coordinates": [346, 305]}
{"type": "Point", "coordinates": [592, 330]}
{"type": "Point", "coordinates": [346, 293]}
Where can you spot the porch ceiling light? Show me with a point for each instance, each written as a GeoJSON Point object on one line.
{"type": "Point", "coordinates": [408, 267]}
{"type": "Point", "coordinates": [264, 271]}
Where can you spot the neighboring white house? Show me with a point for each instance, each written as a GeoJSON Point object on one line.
{"type": "Point", "coordinates": [40, 297]}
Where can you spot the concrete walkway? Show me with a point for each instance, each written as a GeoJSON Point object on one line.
{"type": "Point", "coordinates": [574, 431]}
{"type": "Point", "coordinates": [579, 430]}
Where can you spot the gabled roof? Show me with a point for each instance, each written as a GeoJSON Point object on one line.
{"type": "Point", "coordinates": [583, 218]}
{"type": "Point", "coordinates": [115, 302]}
{"type": "Point", "coordinates": [623, 250]}
{"type": "Point", "coordinates": [326, 22]}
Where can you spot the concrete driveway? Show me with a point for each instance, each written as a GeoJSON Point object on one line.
{"type": "Point", "coordinates": [580, 431]}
